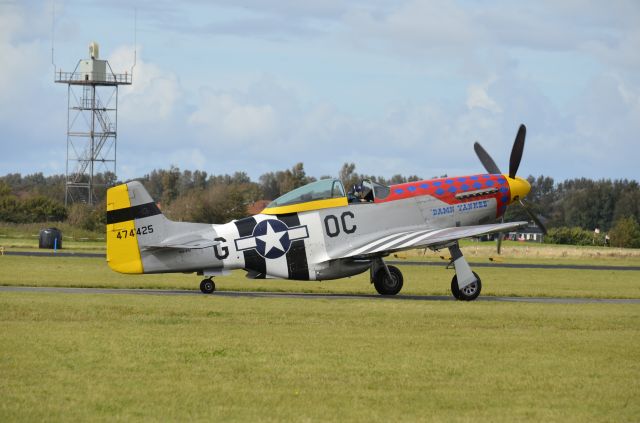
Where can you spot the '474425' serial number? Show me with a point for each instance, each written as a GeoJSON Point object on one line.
{"type": "Point", "coordinates": [130, 233]}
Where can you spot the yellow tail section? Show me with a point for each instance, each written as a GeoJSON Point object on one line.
{"type": "Point", "coordinates": [123, 253]}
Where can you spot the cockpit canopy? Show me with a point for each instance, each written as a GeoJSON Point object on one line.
{"type": "Point", "coordinates": [325, 193]}
{"type": "Point", "coordinates": [320, 190]}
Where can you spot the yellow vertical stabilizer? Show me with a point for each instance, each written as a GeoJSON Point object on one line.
{"type": "Point", "coordinates": [123, 253]}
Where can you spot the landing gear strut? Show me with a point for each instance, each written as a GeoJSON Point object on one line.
{"type": "Point", "coordinates": [466, 284]}
{"type": "Point", "coordinates": [207, 286]}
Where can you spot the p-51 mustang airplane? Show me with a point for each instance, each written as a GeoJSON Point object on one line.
{"type": "Point", "coordinates": [319, 232]}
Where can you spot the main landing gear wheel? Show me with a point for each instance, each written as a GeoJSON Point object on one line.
{"type": "Point", "coordinates": [385, 285]}
{"type": "Point", "coordinates": [469, 292]}
{"type": "Point", "coordinates": [207, 286]}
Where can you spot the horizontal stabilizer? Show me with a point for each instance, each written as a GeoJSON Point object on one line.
{"type": "Point", "coordinates": [186, 241]}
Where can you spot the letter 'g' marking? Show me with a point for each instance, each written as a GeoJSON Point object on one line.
{"type": "Point", "coordinates": [225, 249]}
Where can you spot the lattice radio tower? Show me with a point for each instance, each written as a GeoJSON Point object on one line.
{"type": "Point", "coordinates": [92, 123]}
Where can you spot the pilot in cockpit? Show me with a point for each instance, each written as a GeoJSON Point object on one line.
{"type": "Point", "coordinates": [355, 194]}
{"type": "Point", "coordinates": [360, 193]}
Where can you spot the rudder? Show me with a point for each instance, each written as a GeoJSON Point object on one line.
{"type": "Point", "coordinates": [125, 204]}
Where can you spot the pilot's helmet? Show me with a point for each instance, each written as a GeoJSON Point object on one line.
{"type": "Point", "coordinates": [357, 189]}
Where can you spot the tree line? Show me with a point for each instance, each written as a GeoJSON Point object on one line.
{"type": "Point", "coordinates": [574, 210]}
{"type": "Point", "coordinates": [583, 211]}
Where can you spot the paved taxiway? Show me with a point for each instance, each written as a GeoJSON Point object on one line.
{"type": "Point", "coordinates": [396, 262]}
{"type": "Point", "coordinates": [313, 295]}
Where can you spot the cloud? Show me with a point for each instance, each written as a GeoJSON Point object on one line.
{"type": "Point", "coordinates": [478, 97]}
{"type": "Point", "coordinates": [230, 119]}
{"type": "Point", "coordinates": [393, 86]}
{"type": "Point", "coordinates": [608, 115]}
{"type": "Point", "coordinates": [154, 93]}
{"type": "Point", "coordinates": [249, 19]}
{"type": "Point", "coordinates": [619, 52]}
{"type": "Point", "coordinates": [26, 105]}
{"type": "Point", "coordinates": [22, 62]}
{"type": "Point", "coordinates": [443, 27]}
{"type": "Point", "coordinates": [268, 124]}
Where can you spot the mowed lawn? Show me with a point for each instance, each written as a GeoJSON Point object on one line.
{"type": "Point", "coordinates": [84, 357]}
{"type": "Point", "coordinates": [418, 280]}
{"type": "Point", "coordinates": [92, 357]}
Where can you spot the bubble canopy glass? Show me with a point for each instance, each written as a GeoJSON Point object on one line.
{"type": "Point", "coordinates": [320, 190]}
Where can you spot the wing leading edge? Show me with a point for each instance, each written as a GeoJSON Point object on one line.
{"type": "Point", "coordinates": [427, 237]}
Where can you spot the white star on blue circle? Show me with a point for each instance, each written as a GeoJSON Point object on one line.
{"type": "Point", "coordinates": [272, 238]}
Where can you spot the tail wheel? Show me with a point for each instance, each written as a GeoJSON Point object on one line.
{"type": "Point", "coordinates": [207, 286]}
{"type": "Point", "coordinates": [469, 292]}
{"type": "Point", "coordinates": [385, 285]}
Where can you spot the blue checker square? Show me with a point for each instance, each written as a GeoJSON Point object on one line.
{"type": "Point", "coordinates": [424, 186]}
{"type": "Point", "coordinates": [504, 199]}
{"type": "Point", "coordinates": [411, 188]}
{"type": "Point", "coordinates": [439, 191]}
{"type": "Point", "coordinates": [489, 183]}
{"type": "Point", "coordinates": [449, 181]}
{"type": "Point", "coordinates": [399, 191]}
{"type": "Point", "coordinates": [474, 177]}
{"type": "Point", "coordinates": [452, 189]}
{"type": "Point", "coordinates": [437, 183]}
{"type": "Point", "coordinates": [462, 179]}
{"type": "Point", "coordinates": [477, 185]}
{"type": "Point", "coordinates": [464, 187]}
{"type": "Point", "coordinates": [504, 189]}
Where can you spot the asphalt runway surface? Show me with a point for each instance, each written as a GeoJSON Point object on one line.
{"type": "Point", "coordinates": [167, 292]}
{"type": "Point", "coordinates": [395, 262]}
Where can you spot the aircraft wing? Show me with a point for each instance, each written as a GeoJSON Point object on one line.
{"type": "Point", "coordinates": [427, 237]}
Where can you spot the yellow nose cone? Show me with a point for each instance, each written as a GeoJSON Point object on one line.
{"type": "Point", "coordinates": [519, 187]}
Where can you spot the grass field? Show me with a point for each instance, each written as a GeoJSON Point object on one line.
{"type": "Point", "coordinates": [25, 236]}
{"type": "Point", "coordinates": [419, 280]}
{"type": "Point", "coordinates": [524, 252]}
{"type": "Point", "coordinates": [106, 357]}
{"type": "Point", "coordinates": [83, 357]}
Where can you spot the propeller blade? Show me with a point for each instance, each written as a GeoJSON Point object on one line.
{"type": "Point", "coordinates": [486, 159]}
{"type": "Point", "coordinates": [533, 216]}
{"type": "Point", "coordinates": [516, 151]}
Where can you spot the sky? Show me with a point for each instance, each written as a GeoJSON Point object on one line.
{"type": "Point", "coordinates": [394, 86]}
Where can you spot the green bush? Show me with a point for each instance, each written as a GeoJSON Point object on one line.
{"type": "Point", "coordinates": [90, 218]}
{"type": "Point", "coordinates": [571, 236]}
{"type": "Point", "coordinates": [31, 209]}
{"type": "Point", "coordinates": [625, 233]}
{"type": "Point", "coordinates": [10, 210]}
{"type": "Point", "coordinates": [40, 208]}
